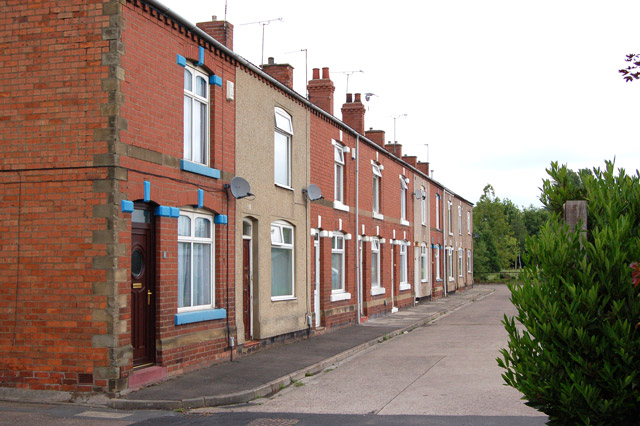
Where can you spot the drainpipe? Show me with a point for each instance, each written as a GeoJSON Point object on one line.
{"type": "Point", "coordinates": [444, 241]}
{"type": "Point", "coordinates": [358, 272]}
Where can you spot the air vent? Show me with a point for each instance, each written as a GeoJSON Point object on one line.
{"type": "Point", "coordinates": [85, 379]}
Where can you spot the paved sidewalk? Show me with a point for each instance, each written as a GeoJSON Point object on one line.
{"type": "Point", "coordinates": [271, 369]}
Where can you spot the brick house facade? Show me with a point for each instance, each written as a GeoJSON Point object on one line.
{"type": "Point", "coordinates": [123, 249]}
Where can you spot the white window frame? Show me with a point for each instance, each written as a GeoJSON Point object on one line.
{"type": "Point", "coordinates": [437, 261]}
{"type": "Point", "coordinates": [191, 239]}
{"type": "Point", "coordinates": [404, 268]}
{"type": "Point", "coordinates": [403, 200]}
{"type": "Point", "coordinates": [377, 182]}
{"type": "Point", "coordinates": [460, 262]}
{"type": "Point", "coordinates": [423, 205]}
{"type": "Point", "coordinates": [193, 99]}
{"type": "Point", "coordinates": [278, 241]}
{"type": "Point", "coordinates": [338, 173]}
{"type": "Point", "coordinates": [450, 263]}
{"type": "Point", "coordinates": [449, 217]}
{"type": "Point", "coordinates": [459, 220]}
{"type": "Point", "coordinates": [424, 270]}
{"type": "Point", "coordinates": [376, 286]}
{"type": "Point", "coordinates": [282, 118]}
{"type": "Point", "coordinates": [437, 211]}
{"type": "Point", "coordinates": [468, 222]}
{"type": "Point", "coordinates": [339, 250]}
{"type": "Point", "coordinates": [469, 262]}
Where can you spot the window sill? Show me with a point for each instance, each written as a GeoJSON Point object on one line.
{"type": "Point", "coordinates": [376, 291]}
{"type": "Point", "coordinates": [340, 296]}
{"type": "Point", "coordinates": [279, 185]}
{"type": "Point", "coordinates": [424, 281]}
{"type": "Point", "coordinates": [199, 316]}
{"type": "Point", "coordinates": [404, 286]}
{"type": "Point", "coordinates": [404, 222]}
{"type": "Point", "coordinates": [339, 206]}
{"type": "Point", "coordinates": [199, 169]}
{"type": "Point", "coordinates": [282, 298]}
{"type": "Point", "coordinates": [378, 216]}
{"type": "Point", "coordinates": [424, 224]}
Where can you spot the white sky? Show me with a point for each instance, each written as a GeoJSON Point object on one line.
{"type": "Point", "coordinates": [497, 89]}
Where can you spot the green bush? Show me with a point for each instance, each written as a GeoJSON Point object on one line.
{"type": "Point", "coordinates": [574, 346]}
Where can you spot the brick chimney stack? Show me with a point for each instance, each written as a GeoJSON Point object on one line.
{"type": "Point", "coordinates": [395, 149]}
{"type": "Point", "coordinates": [376, 136]}
{"type": "Point", "coordinates": [321, 90]}
{"type": "Point", "coordinates": [423, 167]}
{"type": "Point", "coordinates": [353, 113]}
{"type": "Point", "coordinates": [411, 159]}
{"type": "Point", "coordinates": [281, 72]}
{"type": "Point", "coordinates": [219, 30]}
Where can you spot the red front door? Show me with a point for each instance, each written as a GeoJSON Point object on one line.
{"type": "Point", "coordinates": [143, 327]}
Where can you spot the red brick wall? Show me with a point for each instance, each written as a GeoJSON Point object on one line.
{"type": "Point", "coordinates": [50, 117]}
{"type": "Point", "coordinates": [322, 174]}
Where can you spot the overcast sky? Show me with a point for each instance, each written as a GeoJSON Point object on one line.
{"type": "Point", "coordinates": [493, 91]}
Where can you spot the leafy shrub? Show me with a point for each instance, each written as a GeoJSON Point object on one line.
{"type": "Point", "coordinates": [574, 346]}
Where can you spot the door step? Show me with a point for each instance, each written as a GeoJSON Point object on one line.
{"type": "Point", "coordinates": [146, 376]}
{"type": "Point", "coordinates": [250, 346]}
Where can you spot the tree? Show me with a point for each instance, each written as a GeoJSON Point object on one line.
{"type": "Point", "coordinates": [534, 219]}
{"type": "Point", "coordinates": [632, 71]}
{"type": "Point", "coordinates": [495, 246]}
{"type": "Point", "coordinates": [564, 185]}
{"type": "Point", "coordinates": [576, 350]}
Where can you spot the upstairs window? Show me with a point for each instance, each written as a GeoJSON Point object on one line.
{"type": "Point", "coordinates": [377, 177]}
{"type": "Point", "coordinates": [196, 116]}
{"type": "Point", "coordinates": [338, 158]}
{"type": "Point", "coordinates": [423, 205]}
{"type": "Point", "coordinates": [282, 148]}
{"type": "Point", "coordinates": [403, 198]}
{"type": "Point", "coordinates": [449, 218]}
{"type": "Point", "coordinates": [469, 222]}
{"type": "Point", "coordinates": [459, 220]}
{"type": "Point", "coordinates": [437, 211]}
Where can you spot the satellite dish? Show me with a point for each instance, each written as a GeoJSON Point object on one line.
{"type": "Point", "coordinates": [313, 192]}
{"type": "Point", "coordinates": [239, 187]}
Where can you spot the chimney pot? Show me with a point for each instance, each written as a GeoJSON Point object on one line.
{"type": "Point", "coordinates": [325, 73]}
{"type": "Point", "coordinates": [349, 98]}
{"type": "Point", "coordinates": [271, 61]}
{"type": "Point", "coordinates": [316, 73]}
{"type": "Point", "coordinates": [357, 97]}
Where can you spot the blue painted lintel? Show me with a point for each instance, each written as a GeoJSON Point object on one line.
{"type": "Point", "coordinates": [200, 56]}
{"type": "Point", "coordinates": [147, 191]}
{"type": "Point", "coordinates": [166, 211]}
{"type": "Point", "coordinates": [220, 219]}
{"type": "Point", "coordinates": [200, 198]}
{"type": "Point", "coordinates": [126, 206]}
{"type": "Point", "coordinates": [216, 80]}
{"type": "Point", "coordinates": [182, 61]}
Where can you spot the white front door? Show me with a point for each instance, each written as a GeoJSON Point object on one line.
{"type": "Point", "coordinates": [316, 291]}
